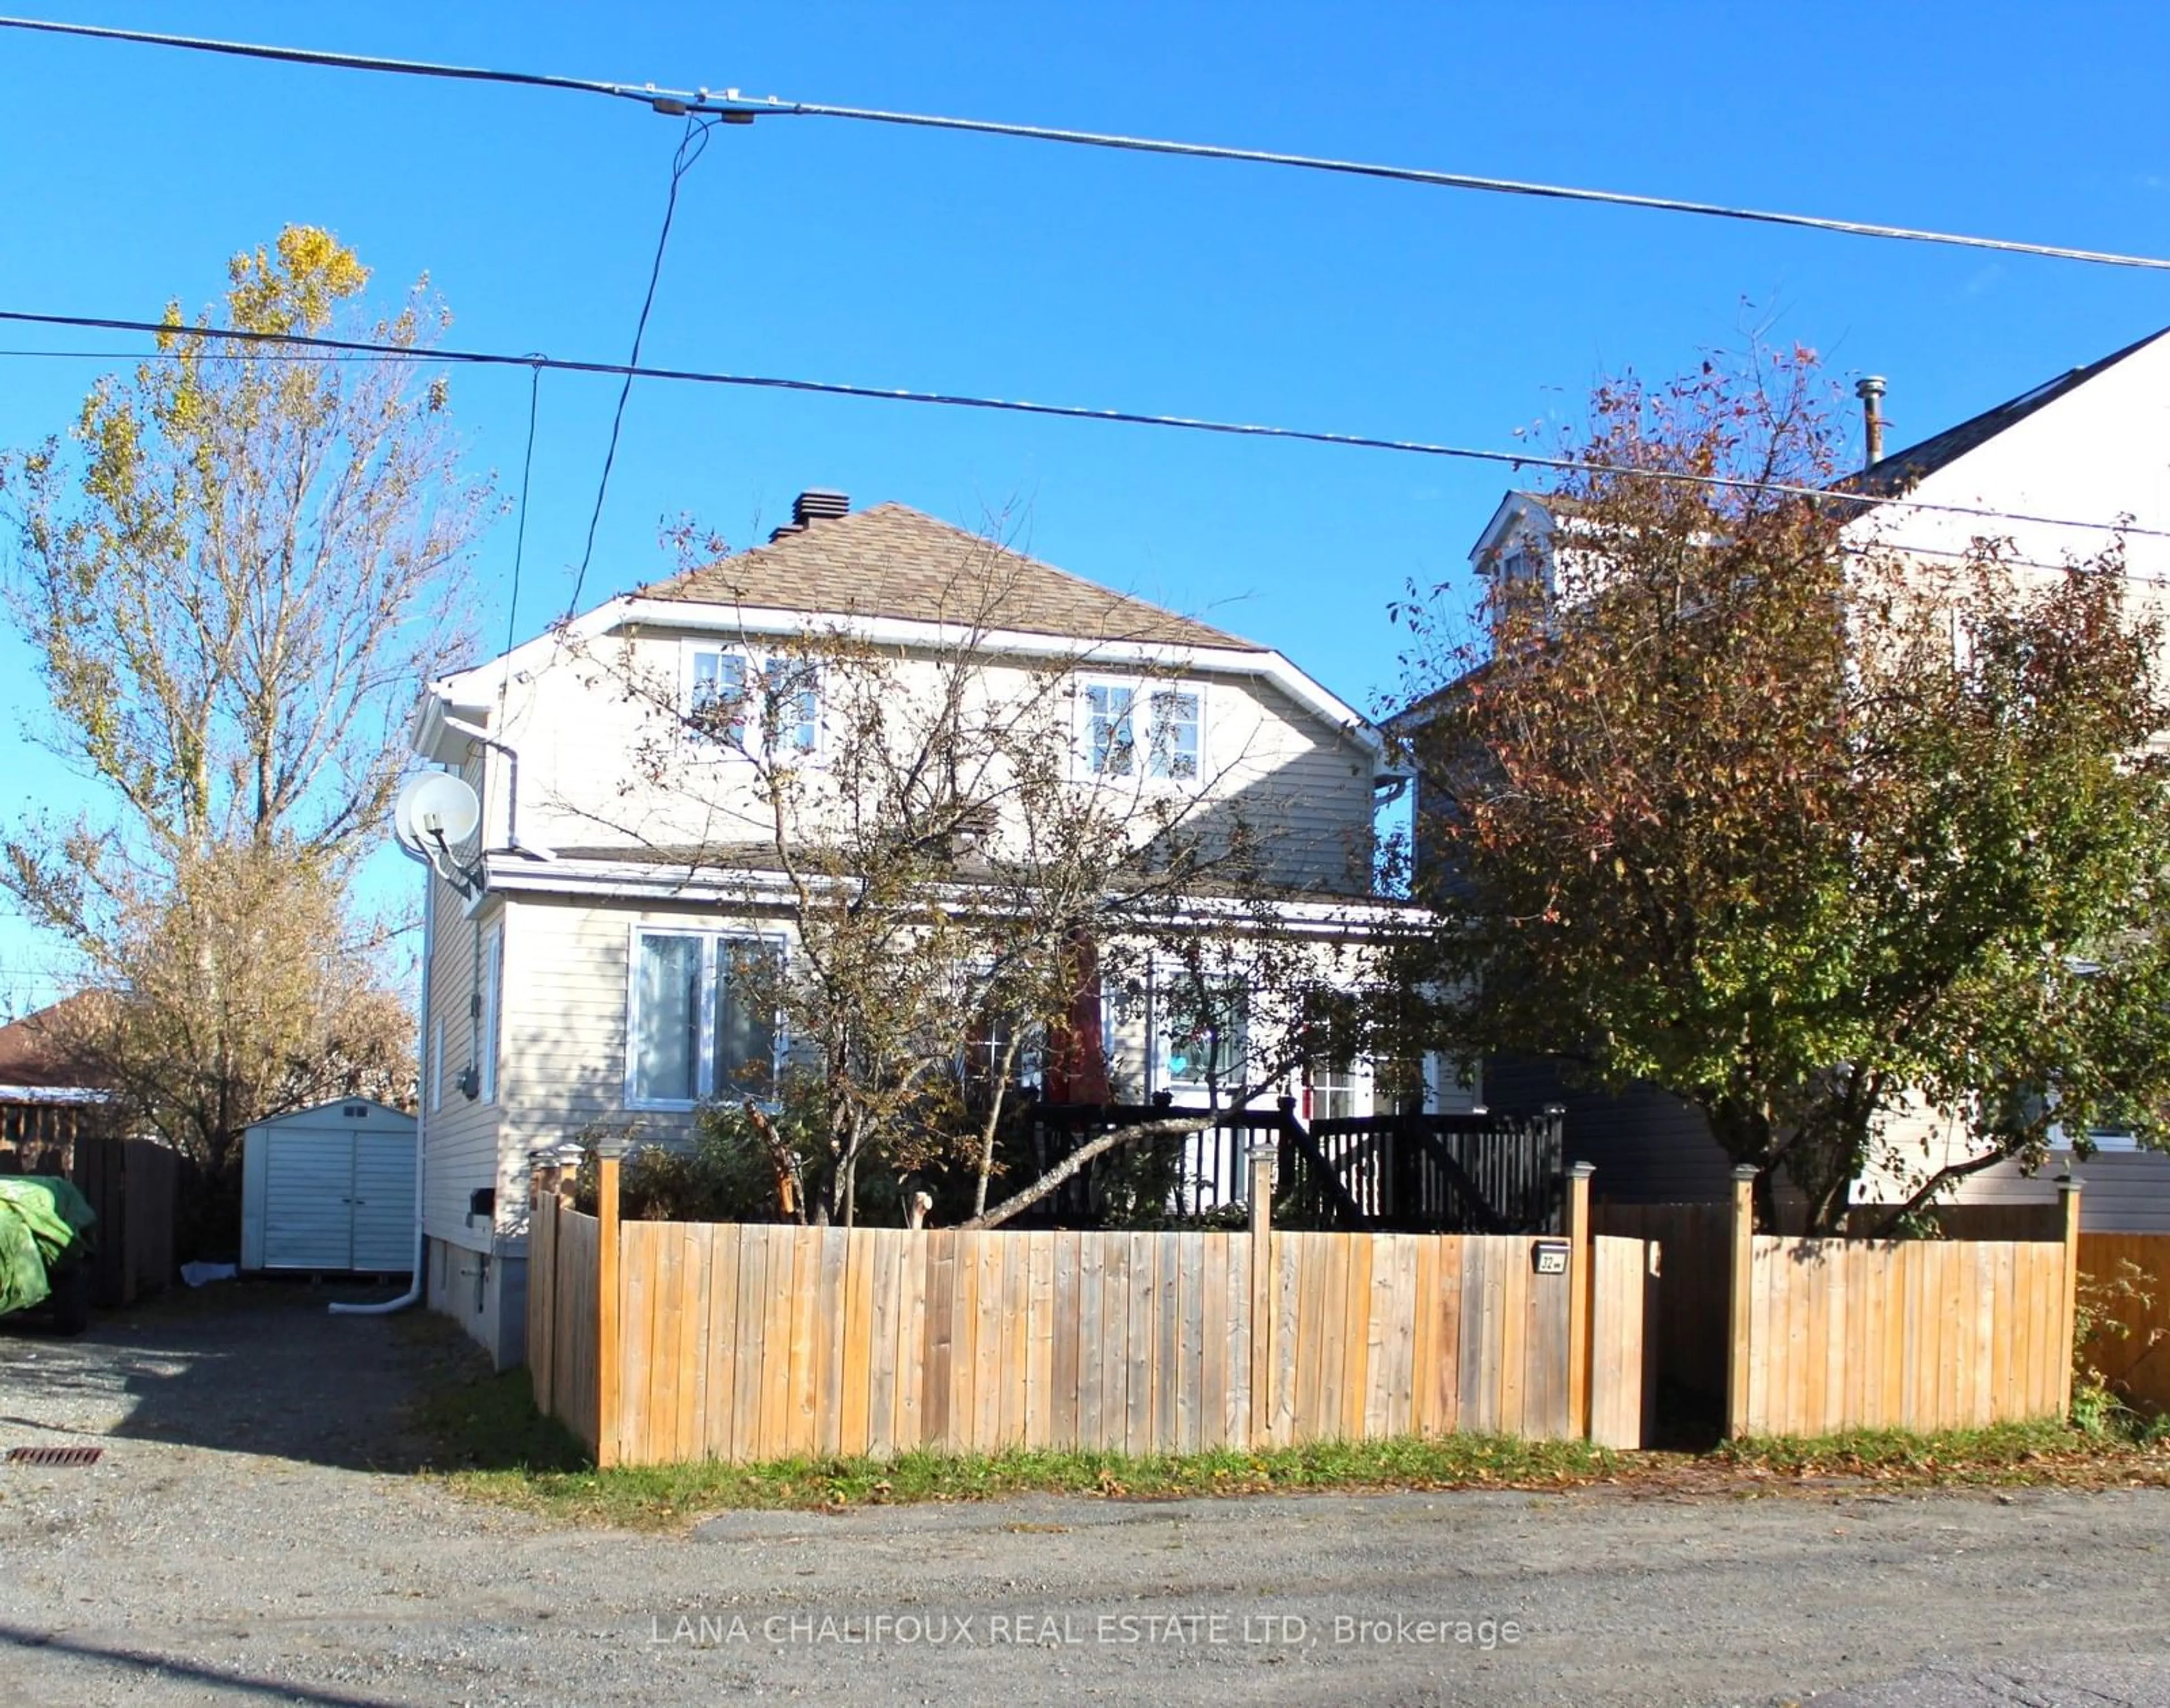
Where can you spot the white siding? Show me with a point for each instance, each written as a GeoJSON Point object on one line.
{"type": "Point", "coordinates": [581, 740]}
{"type": "Point", "coordinates": [461, 1133]}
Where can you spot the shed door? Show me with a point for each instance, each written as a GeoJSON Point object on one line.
{"type": "Point", "coordinates": [308, 1185]}
{"type": "Point", "coordinates": [383, 1202]}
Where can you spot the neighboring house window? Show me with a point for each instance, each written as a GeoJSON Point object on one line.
{"type": "Point", "coordinates": [741, 702]}
{"type": "Point", "coordinates": [1173, 739]}
{"type": "Point", "coordinates": [1200, 1047]}
{"type": "Point", "coordinates": [700, 1025]}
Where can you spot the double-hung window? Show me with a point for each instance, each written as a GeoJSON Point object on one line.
{"type": "Point", "coordinates": [1110, 748]}
{"type": "Point", "coordinates": [754, 704]}
{"type": "Point", "coordinates": [1153, 729]}
{"type": "Point", "coordinates": [700, 1019]}
{"type": "Point", "coordinates": [1176, 740]}
{"type": "Point", "coordinates": [716, 695]}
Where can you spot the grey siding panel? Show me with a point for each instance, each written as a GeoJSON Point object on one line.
{"type": "Point", "coordinates": [2121, 1191]}
{"type": "Point", "coordinates": [1649, 1146]}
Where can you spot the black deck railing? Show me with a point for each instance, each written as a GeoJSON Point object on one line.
{"type": "Point", "coordinates": [1411, 1172]}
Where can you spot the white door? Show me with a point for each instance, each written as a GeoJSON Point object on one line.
{"type": "Point", "coordinates": [308, 1184]}
{"type": "Point", "coordinates": [383, 1202]}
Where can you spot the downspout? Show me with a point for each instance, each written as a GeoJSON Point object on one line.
{"type": "Point", "coordinates": [414, 1294]}
{"type": "Point", "coordinates": [482, 738]}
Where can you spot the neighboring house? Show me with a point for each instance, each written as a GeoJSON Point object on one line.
{"type": "Point", "coordinates": [45, 1106]}
{"type": "Point", "coordinates": [2092, 446]}
{"type": "Point", "coordinates": [587, 980]}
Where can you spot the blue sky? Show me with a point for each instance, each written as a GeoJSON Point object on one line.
{"type": "Point", "coordinates": [866, 253]}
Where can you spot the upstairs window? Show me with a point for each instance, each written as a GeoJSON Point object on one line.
{"type": "Point", "coordinates": [1111, 750]}
{"type": "Point", "coordinates": [771, 705]}
{"type": "Point", "coordinates": [791, 709]}
{"type": "Point", "coordinates": [716, 700]}
{"type": "Point", "coordinates": [1143, 729]}
{"type": "Point", "coordinates": [1177, 737]}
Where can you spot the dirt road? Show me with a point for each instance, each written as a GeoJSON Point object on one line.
{"type": "Point", "coordinates": [255, 1533]}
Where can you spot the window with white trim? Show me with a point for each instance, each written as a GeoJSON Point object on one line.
{"type": "Point", "coordinates": [1175, 739]}
{"type": "Point", "coordinates": [487, 1011]}
{"type": "Point", "coordinates": [753, 703]}
{"type": "Point", "coordinates": [1199, 1047]}
{"type": "Point", "coordinates": [701, 1020]}
{"type": "Point", "coordinates": [1170, 747]}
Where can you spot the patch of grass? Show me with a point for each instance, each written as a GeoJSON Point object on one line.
{"type": "Point", "coordinates": [490, 1428]}
{"type": "Point", "coordinates": [491, 1444]}
{"type": "Point", "coordinates": [666, 1495]}
{"type": "Point", "coordinates": [2003, 1452]}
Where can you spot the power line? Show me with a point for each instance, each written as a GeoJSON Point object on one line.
{"type": "Point", "coordinates": [690, 147]}
{"type": "Point", "coordinates": [732, 107]}
{"type": "Point", "coordinates": [1074, 412]}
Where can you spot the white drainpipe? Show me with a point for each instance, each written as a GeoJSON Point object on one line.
{"type": "Point", "coordinates": [414, 1294]}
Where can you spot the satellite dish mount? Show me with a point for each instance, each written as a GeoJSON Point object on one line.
{"type": "Point", "coordinates": [435, 821]}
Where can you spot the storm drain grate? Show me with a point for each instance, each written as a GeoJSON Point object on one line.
{"type": "Point", "coordinates": [54, 1455]}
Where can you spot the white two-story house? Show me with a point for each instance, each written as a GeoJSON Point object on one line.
{"type": "Point", "coordinates": [580, 978]}
{"type": "Point", "coordinates": [2056, 473]}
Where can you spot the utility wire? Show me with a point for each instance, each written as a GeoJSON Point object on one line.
{"type": "Point", "coordinates": [691, 145]}
{"type": "Point", "coordinates": [1074, 412]}
{"type": "Point", "coordinates": [732, 107]}
{"type": "Point", "coordinates": [526, 473]}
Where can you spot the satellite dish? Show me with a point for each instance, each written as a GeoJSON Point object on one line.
{"type": "Point", "coordinates": [435, 813]}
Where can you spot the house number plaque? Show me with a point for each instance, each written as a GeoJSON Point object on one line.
{"type": "Point", "coordinates": [1548, 1257]}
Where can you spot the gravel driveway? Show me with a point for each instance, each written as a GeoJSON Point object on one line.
{"type": "Point", "coordinates": [255, 1534]}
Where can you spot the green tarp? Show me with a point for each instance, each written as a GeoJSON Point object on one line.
{"type": "Point", "coordinates": [42, 1216]}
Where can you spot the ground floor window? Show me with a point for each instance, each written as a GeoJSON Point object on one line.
{"type": "Point", "coordinates": [701, 1019]}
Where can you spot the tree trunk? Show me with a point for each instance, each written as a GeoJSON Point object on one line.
{"type": "Point", "coordinates": [1077, 1160]}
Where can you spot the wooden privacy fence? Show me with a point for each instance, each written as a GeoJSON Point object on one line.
{"type": "Point", "coordinates": [661, 1342]}
{"type": "Point", "coordinates": [1905, 1334]}
{"type": "Point", "coordinates": [2130, 1345]}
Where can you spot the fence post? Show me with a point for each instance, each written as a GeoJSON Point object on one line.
{"type": "Point", "coordinates": [1262, 1250]}
{"type": "Point", "coordinates": [1577, 1300]}
{"type": "Point", "coordinates": [607, 1360]}
{"type": "Point", "coordinates": [2068, 1200]}
{"type": "Point", "coordinates": [1742, 1316]}
{"type": "Point", "coordinates": [542, 1286]}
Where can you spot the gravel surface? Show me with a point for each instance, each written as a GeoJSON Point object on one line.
{"type": "Point", "coordinates": [256, 1533]}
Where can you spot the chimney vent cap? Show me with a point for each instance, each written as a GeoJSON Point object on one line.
{"type": "Point", "coordinates": [819, 503]}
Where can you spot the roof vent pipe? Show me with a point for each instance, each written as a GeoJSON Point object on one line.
{"type": "Point", "coordinates": [1869, 389]}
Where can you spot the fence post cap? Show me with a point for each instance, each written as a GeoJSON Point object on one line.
{"type": "Point", "coordinates": [1582, 1170]}
{"type": "Point", "coordinates": [1746, 1171]}
{"type": "Point", "coordinates": [2066, 1183]}
{"type": "Point", "coordinates": [1555, 1109]}
{"type": "Point", "coordinates": [611, 1146]}
{"type": "Point", "coordinates": [1264, 1148]}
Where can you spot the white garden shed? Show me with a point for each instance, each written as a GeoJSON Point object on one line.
{"type": "Point", "coordinates": [330, 1188]}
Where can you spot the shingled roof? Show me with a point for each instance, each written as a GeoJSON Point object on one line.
{"type": "Point", "coordinates": [1902, 471]}
{"type": "Point", "coordinates": [890, 561]}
